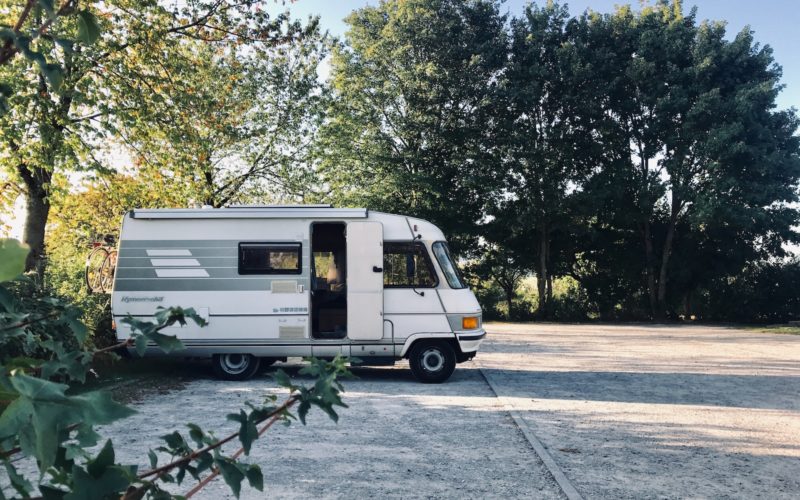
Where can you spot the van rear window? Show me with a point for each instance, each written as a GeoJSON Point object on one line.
{"type": "Point", "coordinates": [269, 258]}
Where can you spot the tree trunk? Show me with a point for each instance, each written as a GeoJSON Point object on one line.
{"type": "Point", "coordinates": [541, 280]}
{"type": "Point", "coordinates": [652, 291]}
{"type": "Point", "coordinates": [662, 275]}
{"type": "Point", "coordinates": [37, 209]}
{"type": "Point", "coordinates": [509, 301]}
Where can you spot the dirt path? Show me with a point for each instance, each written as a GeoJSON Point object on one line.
{"type": "Point", "coordinates": [669, 412]}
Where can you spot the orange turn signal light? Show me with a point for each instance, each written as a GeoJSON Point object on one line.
{"type": "Point", "coordinates": [469, 322]}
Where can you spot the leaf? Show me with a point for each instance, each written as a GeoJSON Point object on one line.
{"type": "Point", "coordinates": [247, 429]}
{"type": "Point", "coordinates": [43, 410]}
{"type": "Point", "coordinates": [104, 459]}
{"type": "Point", "coordinates": [175, 443]}
{"type": "Point", "coordinates": [231, 474]}
{"type": "Point", "coordinates": [22, 485]}
{"type": "Point", "coordinates": [88, 30]}
{"type": "Point", "coordinates": [141, 345]}
{"type": "Point", "coordinates": [48, 7]}
{"type": "Point", "coordinates": [50, 493]}
{"type": "Point", "coordinates": [113, 480]}
{"type": "Point", "coordinates": [196, 434]}
{"type": "Point", "coordinates": [76, 325]}
{"type": "Point", "coordinates": [153, 459]}
{"type": "Point", "coordinates": [282, 379]}
{"type": "Point", "coordinates": [66, 45]}
{"type": "Point", "coordinates": [255, 477]}
{"type": "Point", "coordinates": [54, 75]}
{"type": "Point", "coordinates": [12, 258]}
{"type": "Point", "coordinates": [7, 34]}
{"type": "Point", "coordinates": [86, 436]}
{"type": "Point", "coordinates": [167, 343]}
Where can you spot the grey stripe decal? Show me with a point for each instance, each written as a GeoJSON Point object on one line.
{"type": "Point", "coordinates": [231, 273]}
{"type": "Point", "coordinates": [277, 315]}
{"type": "Point", "coordinates": [274, 342]}
{"type": "Point", "coordinates": [196, 284]}
{"type": "Point", "coordinates": [227, 252]}
{"type": "Point", "coordinates": [192, 244]}
{"type": "Point", "coordinates": [211, 261]}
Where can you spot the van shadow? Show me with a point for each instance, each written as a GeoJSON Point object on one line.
{"type": "Point", "coordinates": [741, 391]}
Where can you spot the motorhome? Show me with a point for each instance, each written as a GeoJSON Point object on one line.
{"type": "Point", "coordinates": [308, 280]}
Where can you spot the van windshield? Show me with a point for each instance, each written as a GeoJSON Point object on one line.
{"type": "Point", "coordinates": [449, 268]}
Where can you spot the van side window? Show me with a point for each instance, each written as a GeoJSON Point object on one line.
{"type": "Point", "coordinates": [407, 265]}
{"type": "Point", "coordinates": [269, 258]}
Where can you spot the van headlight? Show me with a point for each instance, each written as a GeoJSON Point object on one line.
{"type": "Point", "coordinates": [470, 322]}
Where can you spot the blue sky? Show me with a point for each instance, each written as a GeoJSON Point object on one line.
{"type": "Point", "coordinates": [775, 22]}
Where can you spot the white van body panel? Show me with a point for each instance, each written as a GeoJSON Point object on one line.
{"type": "Point", "coordinates": [364, 280]}
{"type": "Point", "coordinates": [189, 258]}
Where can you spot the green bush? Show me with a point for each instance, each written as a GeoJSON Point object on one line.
{"type": "Point", "coordinates": [762, 293]}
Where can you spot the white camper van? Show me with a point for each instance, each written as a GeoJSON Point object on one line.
{"type": "Point", "coordinates": [307, 280]}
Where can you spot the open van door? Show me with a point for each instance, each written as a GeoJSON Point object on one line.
{"type": "Point", "coordinates": [364, 280]}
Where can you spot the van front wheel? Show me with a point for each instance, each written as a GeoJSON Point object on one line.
{"type": "Point", "coordinates": [234, 366]}
{"type": "Point", "coordinates": [432, 362]}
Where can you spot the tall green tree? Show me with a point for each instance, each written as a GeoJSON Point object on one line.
{"type": "Point", "coordinates": [241, 122]}
{"type": "Point", "coordinates": [695, 138]}
{"type": "Point", "coordinates": [59, 111]}
{"type": "Point", "coordinates": [549, 148]}
{"type": "Point", "coordinates": [413, 128]}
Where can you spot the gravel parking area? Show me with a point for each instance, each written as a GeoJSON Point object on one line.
{"type": "Point", "coordinates": [634, 411]}
{"type": "Point", "coordinates": [398, 438]}
{"type": "Point", "coordinates": [642, 411]}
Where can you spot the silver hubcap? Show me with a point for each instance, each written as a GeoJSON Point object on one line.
{"type": "Point", "coordinates": [432, 360]}
{"type": "Point", "coordinates": [234, 363]}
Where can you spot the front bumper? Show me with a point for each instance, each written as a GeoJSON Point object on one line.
{"type": "Point", "coordinates": [471, 341]}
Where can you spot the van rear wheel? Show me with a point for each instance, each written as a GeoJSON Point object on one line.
{"type": "Point", "coordinates": [234, 366]}
{"type": "Point", "coordinates": [432, 362]}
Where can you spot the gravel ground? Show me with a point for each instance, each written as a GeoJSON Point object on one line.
{"type": "Point", "coordinates": [398, 439]}
{"type": "Point", "coordinates": [654, 411]}
{"type": "Point", "coordinates": [635, 411]}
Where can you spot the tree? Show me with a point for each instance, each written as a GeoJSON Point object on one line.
{"type": "Point", "coordinates": [413, 125]}
{"type": "Point", "coordinates": [499, 265]}
{"type": "Point", "coordinates": [696, 142]}
{"type": "Point", "coordinates": [547, 124]}
{"type": "Point", "coordinates": [241, 119]}
{"type": "Point", "coordinates": [64, 105]}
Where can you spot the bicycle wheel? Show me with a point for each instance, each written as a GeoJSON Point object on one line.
{"type": "Point", "coordinates": [94, 264]}
{"type": "Point", "coordinates": [107, 272]}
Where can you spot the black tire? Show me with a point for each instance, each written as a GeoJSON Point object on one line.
{"type": "Point", "coordinates": [432, 362]}
{"type": "Point", "coordinates": [234, 366]}
{"type": "Point", "coordinates": [93, 273]}
{"type": "Point", "coordinates": [107, 271]}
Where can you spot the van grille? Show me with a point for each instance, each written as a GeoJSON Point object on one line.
{"type": "Point", "coordinates": [292, 332]}
{"type": "Point", "coordinates": [284, 286]}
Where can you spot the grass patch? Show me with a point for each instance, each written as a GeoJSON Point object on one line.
{"type": "Point", "coordinates": [779, 329]}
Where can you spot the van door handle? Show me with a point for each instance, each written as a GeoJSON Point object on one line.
{"type": "Point", "coordinates": [376, 269]}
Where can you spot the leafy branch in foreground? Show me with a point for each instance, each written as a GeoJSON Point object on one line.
{"type": "Point", "coordinates": [42, 417]}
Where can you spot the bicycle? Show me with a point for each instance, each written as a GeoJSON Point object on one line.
{"type": "Point", "coordinates": [100, 266]}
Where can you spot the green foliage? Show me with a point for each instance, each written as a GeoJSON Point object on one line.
{"type": "Point", "coordinates": [12, 259]}
{"type": "Point", "coordinates": [42, 417]}
{"type": "Point", "coordinates": [763, 293]}
{"type": "Point", "coordinates": [411, 128]}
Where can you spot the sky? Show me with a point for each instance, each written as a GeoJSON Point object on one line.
{"type": "Point", "coordinates": [775, 22]}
